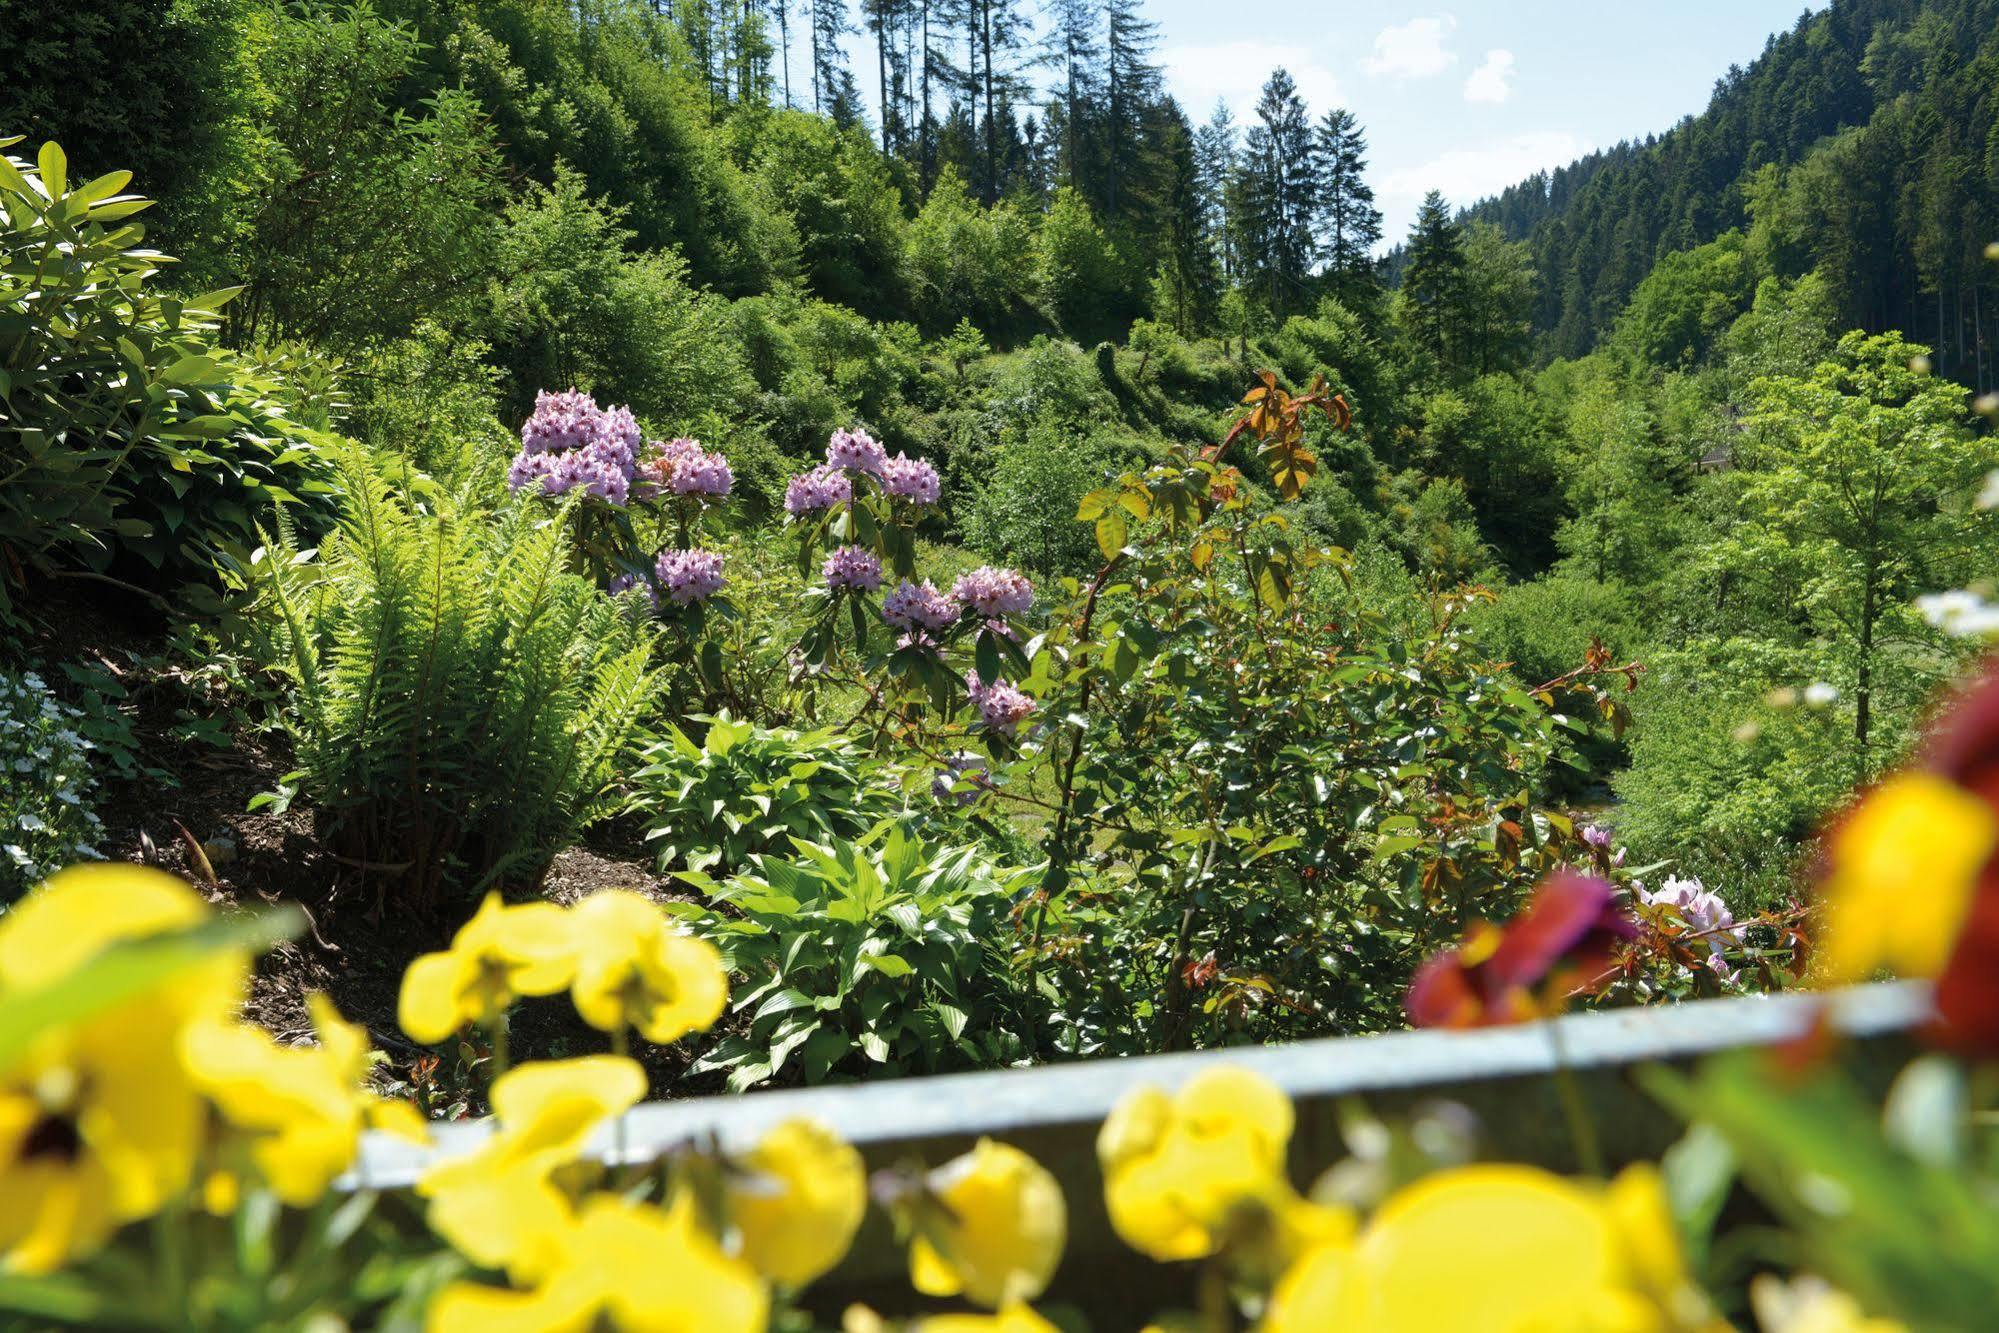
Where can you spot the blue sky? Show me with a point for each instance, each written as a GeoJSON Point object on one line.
{"type": "Point", "coordinates": [1469, 98]}
{"type": "Point", "coordinates": [1465, 98]}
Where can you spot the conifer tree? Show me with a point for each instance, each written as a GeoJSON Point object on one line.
{"type": "Point", "coordinates": [1131, 87]}
{"type": "Point", "coordinates": [1433, 279]}
{"type": "Point", "coordinates": [1276, 196]}
{"type": "Point", "coordinates": [1348, 225]}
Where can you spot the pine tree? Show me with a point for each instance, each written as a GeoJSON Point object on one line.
{"type": "Point", "coordinates": [1214, 174]}
{"type": "Point", "coordinates": [1131, 86]}
{"type": "Point", "coordinates": [1072, 47]}
{"type": "Point", "coordinates": [1348, 225]}
{"type": "Point", "coordinates": [833, 92]}
{"type": "Point", "coordinates": [1433, 280]}
{"type": "Point", "coordinates": [1276, 196]}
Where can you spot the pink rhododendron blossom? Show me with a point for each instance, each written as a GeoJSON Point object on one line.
{"type": "Point", "coordinates": [1002, 707]}
{"type": "Point", "coordinates": [683, 467]}
{"type": "Point", "coordinates": [856, 451]}
{"type": "Point", "coordinates": [995, 592]}
{"type": "Point", "coordinates": [569, 443]}
{"type": "Point", "coordinates": [919, 606]}
{"type": "Point", "coordinates": [853, 567]}
{"type": "Point", "coordinates": [821, 488]}
{"type": "Point", "coordinates": [1704, 913]}
{"type": "Point", "coordinates": [689, 576]}
{"type": "Point", "coordinates": [911, 479]}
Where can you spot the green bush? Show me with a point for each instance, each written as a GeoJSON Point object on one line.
{"type": "Point", "coordinates": [461, 704]}
{"type": "Point", "coordinates": [746, 791]}
{"type": "Point", "coordinates": [1725, 779]}
{"type": "Point", "coordinates": [874, 957]}
{"type": "Point", "coordinates": [1545, 627]}
{"type": "Point", "coordinates": [129, 441]}
{"type": "Point", "coordinates": [46, 787]}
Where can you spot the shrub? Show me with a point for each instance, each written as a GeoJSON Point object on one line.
{"type": "Point", "coordinates": [461, 703]}
{"type": "Point", "coordinates": [46, 819]}
{"type": "Point", "coordinates": [1543, 628]}
{"type": "Point", "coordinates": [746, 791]}
{"type": "Point", "coordinates": [128, 439]}
{"type": "Point", "coordinates": [868, 957]}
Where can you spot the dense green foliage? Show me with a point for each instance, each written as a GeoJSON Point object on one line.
{"type": "Point", "coordinates": [1584, 507]}
{"type": "Point", "coordinates": [462, 704]}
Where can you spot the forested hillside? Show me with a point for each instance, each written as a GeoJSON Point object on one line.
{"type": "Point", "coordinates": [1863, 144]}
{"type": "Point", "coordinates": [1688, 415]}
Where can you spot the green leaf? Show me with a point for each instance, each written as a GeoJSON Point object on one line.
{"type": "Point", "coordinates": [54, 167]}
{"type": "Point", "coordinates": [1111, 533]}
{"type": "Point", "coordinates": [130, 968]}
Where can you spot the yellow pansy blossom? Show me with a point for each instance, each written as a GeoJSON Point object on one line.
{"type": "Point", "coordinates": [621, 1265]}
{"type": "Point", "coordinates": [1180, 1171]}
{"type": "Point", "coordinates": [796, 1200]}
{"type": "Point", "coordinates": [634, 971]}
{"type": "Point", "coordinates": [1903, 868]}
{"type": "Point", "coordinates": [498, 1204]}
{"type": "Point", "coordinates": [999, 1233]}
{"type": "Point", "coordinates": [98, 1123]}
{"type": "Point", "coordinates": [1503, 1247]}
{"type": "Point", "coordinates": [501, 954]}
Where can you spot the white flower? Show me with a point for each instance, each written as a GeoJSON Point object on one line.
{"type": "Point", "coordinates": [1818, 694]}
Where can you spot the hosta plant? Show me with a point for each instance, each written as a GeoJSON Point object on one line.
{"type": "Point", "coordinates": [880, 956]}
{"type": "Point", "coordinates": [746, 790]}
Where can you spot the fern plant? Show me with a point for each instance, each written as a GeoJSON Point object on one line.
{"type": "Point", "coordinates": [461, 704]}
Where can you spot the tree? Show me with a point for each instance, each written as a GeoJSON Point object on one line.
{"type": "Point", "coordinates": [1276, 197]}
{"type": "Point", "coordinates": [1857, 496]}
{"type": "Point", "coordinates": [1433, 278]}
{"type": "Point", "coordinates": [1077, 269]}
{"type": "Point", "coordinates": [1345, 220]}
{"type": "Point", "coordinates": [1214, 171]}
{"type": "Point", "coordinates": [1496, 301]}
{"type": "Point", "coordinates": [1131, 86]}
{"type": "Point", "coordinates": [831, 81]}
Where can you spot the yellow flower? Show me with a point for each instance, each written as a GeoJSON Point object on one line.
{"type": "Point", "coordinates": [98, 1123]}
{"type": "Point", "coordinates": [1809, 1305]}
{"type": "Point", "coordinates": [501, 954]}
{"type": "Point", "coordinates": [1903, 868]}
{"type": "Point", "coordinates": [346, 1048]}
{"type": "Point", "coordinates": [633, 971]}
{"type": "Point", "coordinates": [796, 1201]}
{"type": "Point", "coordinates": [1180, 1172]}
{"type": "Point", "coordinates": [1012, 1319]}
{"type": "Point", "coordinates": [498, 1205]}
{"type": "Point", "coordinates": [999, 1232]}
{"type": "Point", "coordinates": [1502, 1247]}
{"type": "Point", "coordinates": [622, 1265]}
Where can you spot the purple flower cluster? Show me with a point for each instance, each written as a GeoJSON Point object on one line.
{"type": "Point", "coordinates": [821, 488]}
{"type": "Point", "coordinates": [689, 576]}
{"type": "Point", "coordinates": [856, 451]}
{"type": "Point", "coordinates": [571, 442]}
{"type": "Point", "coordinates": [683, 467]}
{"type": "Point", "coordinates": [1002, 707]}
{"type": "Point", "coordinates": [919, 606]}
{"type": "Point", "coordinates": [853, 567]}
{"type": "Point", "coordinates": [911, 479]}
{"type": "Point", "coordinates": [995, 592]}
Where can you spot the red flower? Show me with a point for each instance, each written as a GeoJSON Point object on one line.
{"type": "Point", "coordinates": [1563, 943]}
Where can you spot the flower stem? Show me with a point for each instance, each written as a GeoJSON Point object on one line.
{"type": "Point", "coordinates": [1582, 1130]}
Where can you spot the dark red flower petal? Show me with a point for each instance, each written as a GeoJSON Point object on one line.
{"type": "Point", "coordinates": [1568, 912]}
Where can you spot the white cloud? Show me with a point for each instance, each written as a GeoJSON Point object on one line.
{"type": "Point", "coordinates": [1467, 175]}
{"type": "Point", "coordinates": [1489, 82]}
{"type": "Point", "coordinates": [1415, 50]}
{"type": "Point", "coordinates": [1234, 72]}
